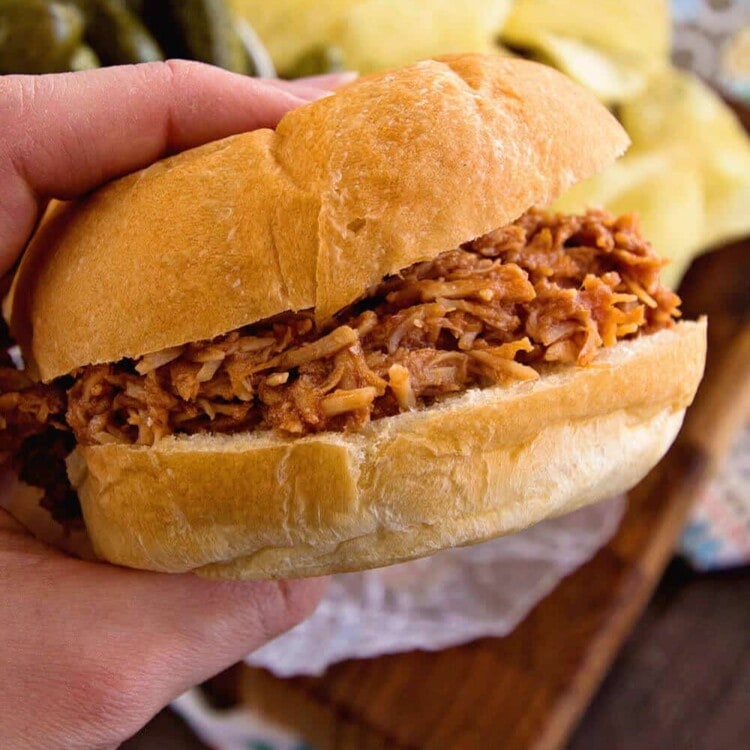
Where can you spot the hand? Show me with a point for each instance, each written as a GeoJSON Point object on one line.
{"type": "Point", "coordinates": [90, 652]}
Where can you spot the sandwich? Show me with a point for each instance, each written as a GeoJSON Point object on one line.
{"type": "Point", "coordinates": [353, 340]}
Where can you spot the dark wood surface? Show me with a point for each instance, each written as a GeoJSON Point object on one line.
{"type": "Point", "coordinates": [682, 681]}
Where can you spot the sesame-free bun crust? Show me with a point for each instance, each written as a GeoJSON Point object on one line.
{"type": "Point", "coordinates": [485, 463]}
{"type": "Point", "coordinates": [395, 168]}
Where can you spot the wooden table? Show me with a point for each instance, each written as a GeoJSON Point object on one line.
{"type": "Point", "coordinates": [528, 691]}
{"type": "Point", "coordinates": [682, 681]}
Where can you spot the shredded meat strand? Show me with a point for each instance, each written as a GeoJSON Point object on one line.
{"type": "Point", "coordinates": [35, 440]}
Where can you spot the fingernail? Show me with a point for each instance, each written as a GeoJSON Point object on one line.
{"type": "Point", "coordinates": [329, 80]}
{"type": "Point", "coordinates": [310, 94]}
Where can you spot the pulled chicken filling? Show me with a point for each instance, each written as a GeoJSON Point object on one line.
{"type": "Point", "coordinates": [545, 289]}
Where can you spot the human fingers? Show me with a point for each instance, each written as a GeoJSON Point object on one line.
{"type": "Point", "coordinates": [64, 134]}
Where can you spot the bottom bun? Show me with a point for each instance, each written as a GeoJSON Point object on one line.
{"type": "Point", "coordinates": [482, 464]}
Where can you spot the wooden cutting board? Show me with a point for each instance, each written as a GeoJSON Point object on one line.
{"type": "Point", "coordinates": [527, 691]}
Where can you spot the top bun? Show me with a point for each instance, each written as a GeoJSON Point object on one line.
{"type": "Point", "coordinates": [393, 169]}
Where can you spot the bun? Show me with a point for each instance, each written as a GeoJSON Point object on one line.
{"type": "Point", "coordinates": [395, 168]}
{"type": "Point", "coordinates": [485, 463]}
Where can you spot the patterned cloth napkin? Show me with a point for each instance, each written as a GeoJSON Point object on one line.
{"type": "Point", "coordinates": [718, 533]}
{"type": "Point", "coordinates": [712, 38]}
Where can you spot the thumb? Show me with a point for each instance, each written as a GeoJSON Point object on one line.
{"type": "Point", "coordinates": [106, 648]}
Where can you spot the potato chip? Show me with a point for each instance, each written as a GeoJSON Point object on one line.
{"type": "Point", "coordinates": [289, 28]}
{"type": "Point", "coordinates": [610, 46]}
{"type": "Point", "coordinates": [687, 173]}
{"type": "Point", "coordinates": [373, 34]}
{"type": "Point", "coordinates": [612, 76]}
{"type": "Point", "coordinates": [640, 29]}
{"type": "Point", "coordinates": [390, 33]}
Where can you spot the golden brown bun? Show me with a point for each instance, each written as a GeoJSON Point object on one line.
{"type": "Point", "coordinates": [485, 463]}
{"type": "Point", "coordinates": [395, 168]}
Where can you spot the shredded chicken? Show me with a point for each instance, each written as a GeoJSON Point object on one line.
{"type": "Point", "coordinates": [26, 409]}
{"type": "Point", "coordinates": [545, 289]}
{"type": "Point", "coordinates": [35, 439]}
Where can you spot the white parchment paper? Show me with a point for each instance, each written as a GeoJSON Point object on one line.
{"type": "Point", "coordinates": [453, 597]}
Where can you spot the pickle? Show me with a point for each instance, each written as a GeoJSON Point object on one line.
{"type": "Point", "coordinates": [117, 35]}
{"type": "Point", "coordinates": [38, 36]}
{"type": "Point", "coordinates": [197, 29]}
{"type": "Point", "coordinates": [315, 61]}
